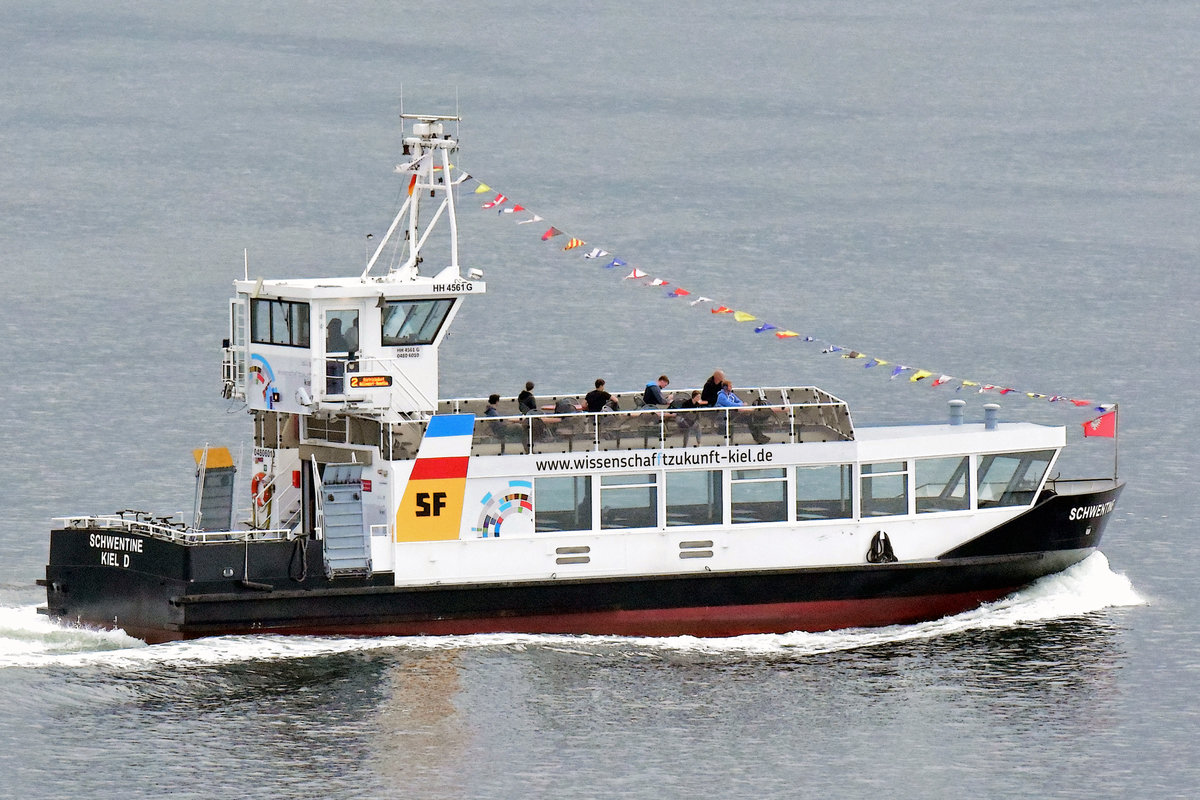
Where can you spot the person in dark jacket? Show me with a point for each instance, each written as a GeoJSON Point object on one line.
{"type": "Point", "coordinates": [653, 395]}
{"type": "Point", "coordinates": [597, 399]}
{"type": "Point", "coordinates": [525, 400]}
{"type": "Point", "coordinates": [708, 395]}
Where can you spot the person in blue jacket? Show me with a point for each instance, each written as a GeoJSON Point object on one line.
{"type": "Point", "coordinates": [727, 399]}
{"type": "Point", "coordinates": [653, 395]}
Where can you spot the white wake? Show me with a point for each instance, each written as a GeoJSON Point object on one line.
{"type": "Point", "coordinates": [28, 640]}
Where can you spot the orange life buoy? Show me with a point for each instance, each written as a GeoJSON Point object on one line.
{"type": "Point", "coordinates": [261, 489]}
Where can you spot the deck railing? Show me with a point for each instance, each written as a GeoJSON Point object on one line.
{"type": "Point", "coordinates": [775, 417]}
{"type": "Point", "coordinates": [163, 528]}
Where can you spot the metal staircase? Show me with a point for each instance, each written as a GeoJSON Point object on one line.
{"type": "Point", "coordinates": [347, 545]}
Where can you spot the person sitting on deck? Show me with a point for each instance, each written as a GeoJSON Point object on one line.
{"type": "Point", "coordinates": [712, 387]}
{"type": "Point", "coordinates": [503, 430]}
{"type": "Point", "coordinates": [689, 424]}
{"type": "Point", "coordinates": [525, 400]}
{"type": "Point", "coordinates": [727, 399]}
{"type": "Point", "coordinates": [653, 395]}
{"type": "Point", "coordinates": [598, 399]}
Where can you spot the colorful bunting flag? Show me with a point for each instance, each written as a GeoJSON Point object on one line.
{"type": "Point", "coordinates": [416, 165]}
{"type": "Point", "coordinates": [1098, 424]}
{"type": "Point", "coordinates": [498, 200]}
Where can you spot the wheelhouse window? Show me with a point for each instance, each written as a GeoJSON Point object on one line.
{"type": "Point", "coordinates": [884, 489]}
{"type": "Point", "coordinates": [942, 484]}
{"type": "Point", "coordinates": [824, 492]}
{"type": "Point", "coordinates": [758, 495]}
{"type": "Point", "coordinates": [1011, 479]}
{"type": "Point", "coordinates": [562, 504]}
{"type": "Point", "coordinates": [411, 322]}
{"type": "Point", "coordinates": [628, 501]}
{"type": "Point", "coordinates": [281, 322]}
{"type": "Point", "coordinates": [341, 331]}
{"type": "Point", "coordinates": [694, 498]}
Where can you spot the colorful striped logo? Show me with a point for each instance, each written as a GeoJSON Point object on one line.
{"type": "Point", "coordinates": [433, 499]}
{"type": "Point", "coordinates": [517, 498]}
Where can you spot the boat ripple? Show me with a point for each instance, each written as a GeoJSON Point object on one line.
{"type": "Point", "coordinates": [31, 641]}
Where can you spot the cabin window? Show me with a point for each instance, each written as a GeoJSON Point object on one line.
{"type": "Point", "coordinates": [694, 498]}
{"type": "Point", "coordinates": [628, 501]}
{"type": "Point", "coordinates": [562, 504]}
{"type": "Point", "coordinates": [824, 492]}
{"type": "Point", "coordinates": [341, 331]}
{"type": "Point", "coordinates": [942, 484]}
{"type": "Point", "coordinates": [1011, 479]}
{"type": "Point", "coordinates": [758, 495]}
{"type": "Point", "coordinates": [410, 322]}
{"type": "Point", "coordinates": [884, 491]}
{"type": "Point", "coordinates": [279, 322]}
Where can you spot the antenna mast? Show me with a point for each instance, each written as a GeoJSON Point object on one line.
{"type": "Point", "coordinates": [428, 147]}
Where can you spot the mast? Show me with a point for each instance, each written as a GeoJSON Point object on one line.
{"type": "Point", "coordinates": [428, 147]}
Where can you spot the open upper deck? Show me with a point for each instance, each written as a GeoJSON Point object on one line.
{"type": "Point", "coordinates": [779, 414]}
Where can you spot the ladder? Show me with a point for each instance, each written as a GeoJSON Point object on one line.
{"type": "Point", "coordinates": [347, 545]}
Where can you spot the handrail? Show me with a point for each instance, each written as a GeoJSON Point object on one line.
{"type": "Point", "coordinates": [172, 533]}
{"type": "Point", "coordinates": [318, 500]}
{"type": "Point", "coordinates": [368, 364]}
{"type": "Point", "coordinates": [655, 427]}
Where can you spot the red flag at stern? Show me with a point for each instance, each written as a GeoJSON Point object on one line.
{"type": "Point", "coordinates": [1103, 425]}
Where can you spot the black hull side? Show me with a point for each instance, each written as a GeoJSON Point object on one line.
{"type": "Point", "coordinates": [172, 591]}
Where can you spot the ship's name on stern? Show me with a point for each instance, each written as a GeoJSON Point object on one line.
{"type": "Point", "coordinates": [1091, 512]}
{"type": "Point", "coordinates": [114, 549]}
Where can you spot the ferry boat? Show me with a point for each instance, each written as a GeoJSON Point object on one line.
{"type": "Point", "coordinates": [372, 506]}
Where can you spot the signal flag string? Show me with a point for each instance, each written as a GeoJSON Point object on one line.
{"type": "Point", "coordinates": [610, 262]}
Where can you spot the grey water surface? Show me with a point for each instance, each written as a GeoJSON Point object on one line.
{"type": "Point", "coordinates": [1006, 192]}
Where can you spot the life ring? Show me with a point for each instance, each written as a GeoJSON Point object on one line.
{"type": "Point", "coordinates": [260, 482]}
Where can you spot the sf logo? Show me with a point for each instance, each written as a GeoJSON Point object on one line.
{"type": "Point", "coordinates": [430, 504]}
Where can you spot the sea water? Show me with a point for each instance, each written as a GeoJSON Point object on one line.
{"type": "Point", "coordinates": [1000, 192]}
